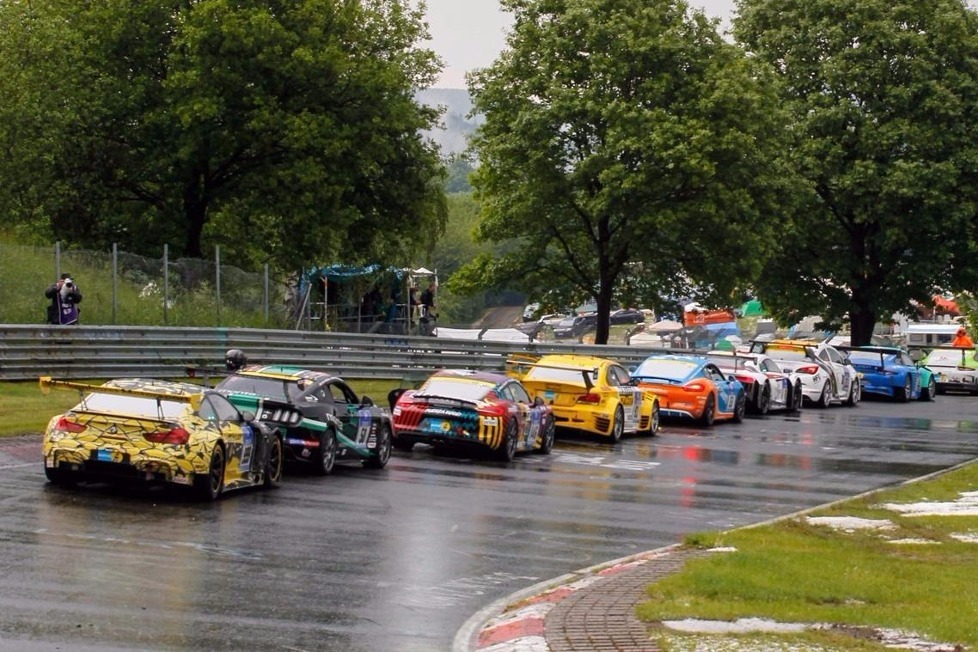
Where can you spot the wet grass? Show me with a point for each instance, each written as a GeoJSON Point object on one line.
{"type": "Point", "coordinates": [24, 409]}
{"type": "Point", "coordinates": [794, 571]}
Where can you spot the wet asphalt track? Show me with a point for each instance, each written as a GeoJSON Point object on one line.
{"type": "Point", "coordinates": [398, 559]}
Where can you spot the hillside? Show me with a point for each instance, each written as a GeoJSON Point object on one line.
{"type": "Point", "coordinates": [456, 124]}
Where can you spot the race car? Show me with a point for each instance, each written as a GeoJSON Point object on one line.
{"type": "Point", "coordinates": [827, 376]}
{"type": "Point", "coordinates": [159, 431]}
{"type": "Point", "coordinates": [691, 387]}
{"type": "Point", "coordinates": [890, 371]}
{"type": "Point", "coordinates": [475, 409]}
{"type": "Point", "coordinates": [588, 394]}
{"type": "Point", "coordinates": [768, 386]}
{"type": "Point", "coordinates": [337, 423]}
{"type": "Point", "coordinates": [956, 369]}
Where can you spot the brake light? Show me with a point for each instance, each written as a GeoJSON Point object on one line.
{"type": "Point", "coordinates": [809, 369]}
{"type": "Point", "coordinates": [747, 380]}
{"type": "Point", "coordinates": [590, 398]}
{"type": "Point", "coordinates": [695, 387]}
{"type": "Point", "coordinates": [493, 410]}
{"type": "Point", "coordinates": [177, 436]}
{"type": "Point", "coordinates": [66, 424]}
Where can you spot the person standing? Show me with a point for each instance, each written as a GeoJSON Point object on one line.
{"type": "Point", "coordinates": [429, 311]}
{"type": "Point", "coordinates": [65, 297]}
{"type": "Point", "coordinates": [962, 339]}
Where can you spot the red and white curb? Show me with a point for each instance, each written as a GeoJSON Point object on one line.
{"type": "Point", "coordinates": [517, 623]}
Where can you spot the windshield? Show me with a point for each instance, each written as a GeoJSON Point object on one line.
{"type": "Point", "coordinates": [568, 376]}
{"type": "Point", "coordinates": [273, 388]}
{"type": "Point", "coordinates": [132, 405]}
{"type": "Point", "coordinates": [866, 357]}
{"type": "Point", "coordinates": [792, 354]}
{"type": "Point", "coordinates": [465, 390]}
{"type": "Point", "coordinates": [665, 368]}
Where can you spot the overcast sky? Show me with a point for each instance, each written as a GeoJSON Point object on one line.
{"type": "Point", "coordinates": [469, 34]}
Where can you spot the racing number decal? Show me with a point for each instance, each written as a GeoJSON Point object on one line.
{"type": "Point", "coordinates": [364, 422]}
{"type": "Point", "coordinates": [631, 402]}
{"type": "Point", "coordinates": [247, 447]}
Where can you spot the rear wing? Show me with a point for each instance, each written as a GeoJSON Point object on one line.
{"type": "Point", "coordinates": [47, 383]}
{"type": "Point", "coordinates": [518, 366]}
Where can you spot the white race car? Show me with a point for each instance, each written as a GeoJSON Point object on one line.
{"type": "Point", "coordinates": [768, 386]}
{"type": "Point", "coordinates": [827, 376]}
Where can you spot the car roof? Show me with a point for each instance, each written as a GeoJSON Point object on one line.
{"type": "Point", "coordinates": [283, 372]}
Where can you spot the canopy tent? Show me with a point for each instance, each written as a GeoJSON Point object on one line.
{"type": "Point", "coordinates": [359, 298]}
{"type": "Point", "coordinates": [752, 308]}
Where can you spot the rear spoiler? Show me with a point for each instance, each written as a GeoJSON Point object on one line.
{"type": "Point", "coordinates": [46, 383]}
{"type": "Point", "coordinates": [519, 365]}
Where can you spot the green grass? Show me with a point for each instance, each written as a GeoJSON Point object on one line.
{"type": "Point", "coordinates": [24, 409]}
{"type": "Point", "coordinates": [793, 571]}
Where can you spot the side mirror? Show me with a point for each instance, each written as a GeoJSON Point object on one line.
{"type": "Point", "coordinates": [247, 416]}
{"type": "Point", "coordinates": [538, 402]}
{"type": "Point", "coordinates": [366, 401]}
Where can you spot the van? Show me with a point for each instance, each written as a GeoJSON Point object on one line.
{"type": "Point", "coordinates": [921, 336]}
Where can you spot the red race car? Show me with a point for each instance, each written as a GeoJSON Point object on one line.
{"type": "Point", "coordinates": [476, 409]}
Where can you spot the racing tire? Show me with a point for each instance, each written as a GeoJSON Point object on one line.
{"type": "Point", "coordinates": [763, 403]}
{"type": "Point", "coordinates": [823, 399]}
{"type": "Point", "coordinates": [797, 398]}
{"type": "Point", "coordinates": [325, 456]}
{"type": "Point", "coordinates": [854, 392]}
{"type": "Point", "coordinates": [654, 418]}
{"type": "Point", "coordinates": [507, 451]}
{"type": "Point", "coordinates": [903, 394]}
{"type": "Point", "coordinates": [208, 486]}
{"type": "Point", "coordinates": [930, 392]}
{"type": "Point", "coordinates": [549, 434]}
{"type": "Point", "coordinates": [740, 408]}
{"type": "Point", "coordinates": [275, 464]}
{"type": "Point", "coordinates": [382, 454]}
{"type": "Point", "coordinates": [61, 477]}
{"type": "Point", "coordinates": [618, 425]}
{"type": "Point", "coordinates": [709, 411]}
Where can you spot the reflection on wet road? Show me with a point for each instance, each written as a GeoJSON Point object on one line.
{"type": "Point", "coordinates": [398, 559]}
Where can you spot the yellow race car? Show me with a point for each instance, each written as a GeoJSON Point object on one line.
{"type": "Point", "coordinates": [134, 429]}
{"type": "Point", "coordinates": [588, 394]}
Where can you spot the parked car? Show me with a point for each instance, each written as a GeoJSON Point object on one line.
{"type": "Point", "coordinates": [691, 387]}
{"type": "Point", "coordinates": [339, 424]}
{"type": "Point", "coordinates": [475, 409]}
{"type": "Point", "coordinates": [768, 386]}
{"type": "Point", "coordinates": [588, 394]}
{"type": "Point", "coordinates": [826, 374]}
{"type": "Point", "coordinates": [573, 326]}
{"type": "Point", "coordinates": [890, 371]}
{"type": "Point", "coordinates": [158, 431]}
{"type": "Point", "coordinates": [627, 316]}
{"type": "Point", "coordinates": [956, 369]}
{"type": "Point", "coordinates": [530, 310]}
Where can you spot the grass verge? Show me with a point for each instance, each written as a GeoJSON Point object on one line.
{"type": "Point", "coordinates": [908, 572]}
{"type": "Point", "coordinates": [24, 409]}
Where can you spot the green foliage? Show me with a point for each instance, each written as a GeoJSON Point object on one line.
{"type": "Point", "coordinates": [285, 132]}
{"type": "Point", "coordinates": [881, 108]}
{"type": "Point", "coordinates": [626, 153]}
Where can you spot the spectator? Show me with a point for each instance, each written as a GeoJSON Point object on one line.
{"type": "Point", "coordinates": [962, 339]}
{"type": "Point", "coordinates": [65, 297]}
{"type": "Point", "coordinates": [415, 304]}
{"type": "Point", "coordinates": [430, 310]}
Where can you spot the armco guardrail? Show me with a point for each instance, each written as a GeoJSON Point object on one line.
{"type": "Point", "coordinates": [27, 352]}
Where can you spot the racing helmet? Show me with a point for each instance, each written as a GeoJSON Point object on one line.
{"type": "Point", "coordinates": [235, 359]}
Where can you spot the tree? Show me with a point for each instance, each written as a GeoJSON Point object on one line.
{"type": "Point", "coordinates": [286, 131]}
{"type": "Point", "coordinates": [625, 145]}
{"type": "Point", "coordinates": [882, 102]}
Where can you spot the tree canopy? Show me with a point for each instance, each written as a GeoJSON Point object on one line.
{"type": "Point", "coordinates": [627, 154]}
{"type": "Point", "coordinates": [881, 97]}
{"type": "Point", "coordinates": [287, 131]}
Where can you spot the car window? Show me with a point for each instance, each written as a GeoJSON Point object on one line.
{"type": "Point", "coordinates": [340, 393]}
{"type": "Point", "coordinates": [515, 392]}
{"type": "Point", "coordinates": [215, 407]}
{"type": "Point", "coordinates": [835, 356]}
{"type": "Point", "coordinates": [618, 376]}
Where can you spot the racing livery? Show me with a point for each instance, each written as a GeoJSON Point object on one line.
{"type": "Point", "coordinates": [827, 376]}
{"type": "Point", "coordinates": [477, 409]}
{"type": "Point", "coordinates": [956, 369]}
{"type": "Point", "coordinates": [588, 394]}
{"type": "Point", "coordinates": [337, 424]}
{"type": "Point", "coordinates": [768, 386]}
{"type": "Point", "coordinates": [692, 387]}
{"type": "Point", "coordinates": [159, 431]}
{"type": "Point", "coordinates": [890, 371]}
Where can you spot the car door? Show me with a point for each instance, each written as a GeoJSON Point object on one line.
{"type": "Point", "coordinates": [239, 437]}
{"type": "Point", "coordinates": [726, 389]}
{"type": "Point", "coordinates": [630, 396]}
{"type": "Point", "coordinates": [528, 415]}
{"type": "Point", "coordinates": [357, 420]}
{"type": "Point", "coordinates": [846, 372]}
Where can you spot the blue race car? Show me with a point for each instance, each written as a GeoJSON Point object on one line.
{"type": "Point", "coordinates": [889, 371]}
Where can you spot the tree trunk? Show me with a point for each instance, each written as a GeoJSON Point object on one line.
{"type": "Point", "coordinates": [195, 214]}
{"type": "Point", "coordinates": [862, 321]}
{"type": "Point", "coordinates": [604, 311]}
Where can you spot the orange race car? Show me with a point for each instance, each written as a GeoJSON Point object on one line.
{"type": "Point", "coordinates": [692, 387]}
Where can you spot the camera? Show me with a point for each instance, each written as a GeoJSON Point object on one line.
{"type": "Point", "coordinates": [67, 288]}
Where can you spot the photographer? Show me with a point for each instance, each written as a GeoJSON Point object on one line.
{"type": "Point", "coordinates": [65, 297]}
